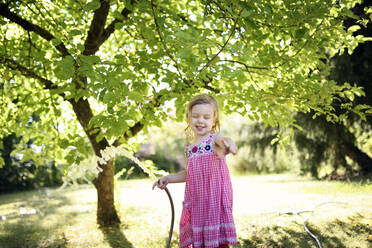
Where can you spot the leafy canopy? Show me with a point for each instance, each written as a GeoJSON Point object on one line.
{"type": "Point", "coordinates": [128, 60]}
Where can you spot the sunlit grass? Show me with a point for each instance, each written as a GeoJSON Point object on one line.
{"type": "Point", "coordinates": [265, 210]}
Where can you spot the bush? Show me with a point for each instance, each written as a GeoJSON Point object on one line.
{"type": "Point", "coordinates": [20, 175]}
{"type": "Point", "coordinates": [25, 175]}
{"type": "Point", "coordinates": [132, 170]}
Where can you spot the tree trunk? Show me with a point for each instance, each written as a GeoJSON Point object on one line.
{"type": "Point", "coordinates": [104, 183]}
{"type": "Point", "coordinates": [363, 160]}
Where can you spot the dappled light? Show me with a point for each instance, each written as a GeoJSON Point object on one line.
{"type": "Point", "coordinates": [269, 211]}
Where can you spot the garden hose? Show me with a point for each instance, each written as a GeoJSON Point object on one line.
{"type": "Point", "coordinates": [312, 235]}
{"type": "Point", "coordinates": [172, 221]}
{"type": "Point", "coordinates": [288, 213]}
{"type": "Point", "coordinates": [311, 211]}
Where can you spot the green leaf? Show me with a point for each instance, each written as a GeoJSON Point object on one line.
{"type": "Point", "coordinates": [300, 33]}
{"type": "Point", "coordinates": [100, 137]}
{"type": "Point", "coordinates": [75, 32]}
{"type": "Point", "coordinates": [65, 68]}
{"type": "Point", "coordinates": [135, 96]}
{"type": "Point", "coordinates": [349, 95]}
{"type": "Point", "coordinates": [93, 5]}
{"type": "Point", "coordinates": [118, 15]}
{"type": "Point", "coordinates": [56, 42]}
{"type": "Point", "coordinates": [80, 47]}
{"type": "Point", "coordinates": [64, 143]}
{"type": "Point", "coordinates": [119, 25]}
{"type": "Point", "coordinates": [128, 5]}
{"type": "Point", "coordinates": [90, 60]}
{"type": "Point", "coordinates": [353, 28]}
{"type": "Point", "coordinates": [246, 13]}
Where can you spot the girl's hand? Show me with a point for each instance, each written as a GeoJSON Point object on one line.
{"type": "Point", "coordinates": [161, 183]}
{"type": "Point", "coordinates": [224, 146]}
{"type": "Point", "coordinates": [230, 146]}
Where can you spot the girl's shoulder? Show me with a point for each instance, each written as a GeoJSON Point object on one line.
{"type": "Point", "coordinates": [205, 146]}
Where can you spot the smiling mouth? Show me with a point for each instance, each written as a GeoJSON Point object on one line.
{"type": "Point", "coordinates": [199, 127]}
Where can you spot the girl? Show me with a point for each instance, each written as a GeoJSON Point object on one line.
{"type": "Point", "coordinates": [207, 219]}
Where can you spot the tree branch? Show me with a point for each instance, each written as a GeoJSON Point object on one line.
{"type": "Point", "coordinates": [97, 27]}
{"type": "Point", "coordinates": [163, 42]}
{"type": "Point", "coordinates": [97, 33]}
{"type": "Point", "coordinates": [208, 87]}
{"type": "Point", "coordinates": [13, 17]}
{"type": "Point", "coordinates": [245, 65]}
{"type": "Point", "coordinates": [14, 65]}
{"type": "Point", "coordinates": [307, 41]}
{"type": "Point", "coordinates": [223, 46]}
{"type": "Point", "coordinates": [111, 28]}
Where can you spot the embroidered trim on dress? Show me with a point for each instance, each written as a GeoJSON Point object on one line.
{"type": "Point", "coordinates": [216, 242]}
{"type": "Point", "coordinates": [203, 147]}
{"type": "Point", "coordinates": [215, 227]}
{"type": "Point", "coordinates": [208, 228]}
{"type": "Point", "coordinates": [189, 241]}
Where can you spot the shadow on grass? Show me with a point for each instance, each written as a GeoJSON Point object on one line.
{"type": "Point", "coordinates": [46, 226]}
{"type": "Point", "coordinates": [336, 234]}
{"type": "Point", "coordinates": [31, 230]}
{"type": "Point", "coordinates": [115, 237]}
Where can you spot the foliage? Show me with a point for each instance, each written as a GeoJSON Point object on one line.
{"type": "Point", "coordinates": [334, 149]}
{"type": "Point", "coordinates": [257, 152]}
{"type": "Point", "coordinates": [20, 174]}
{"type": "Point", "coordinates": [318, 147]}
{"type": "Point", "coordinates": [97, 73]}
{"type": "Point", "coordinates": [164, 147]}
{"type": "Point", "coordinates": [127, 169]}
{"type": "Point", "coordinates": [330, 150]}
{"type": "Point", "coordinates": [262, 58]}
{"type": "Point", "coordinates": [340, 145]}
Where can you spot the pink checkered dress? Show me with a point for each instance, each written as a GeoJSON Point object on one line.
{"type": "Point", "coordinates": [207, 219]}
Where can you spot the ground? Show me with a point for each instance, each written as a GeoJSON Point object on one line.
{"type": "Point", "coordinates": [265, 211]}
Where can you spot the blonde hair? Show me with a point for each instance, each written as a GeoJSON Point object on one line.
{"type": "Point", "coordinates": [202, 99]}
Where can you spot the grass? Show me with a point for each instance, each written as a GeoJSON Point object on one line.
{"type": "Point", "coordinates": [264, 210]}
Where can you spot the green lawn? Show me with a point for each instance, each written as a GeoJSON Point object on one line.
{"type": "Point", "coordinates": [264, 208]}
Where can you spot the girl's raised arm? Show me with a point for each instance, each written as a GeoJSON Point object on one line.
{"type": "Point", "coordinates": [224, 145]}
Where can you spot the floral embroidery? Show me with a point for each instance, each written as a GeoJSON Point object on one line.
{"type": "Point", "coordinates": [204, 147]}
{"type": "Point", "coordinates": [194, 149]}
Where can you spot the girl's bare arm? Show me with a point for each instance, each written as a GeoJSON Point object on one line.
{"type": "Point", "coordinates": [179, 177]}
{"type": "Point", "coordinates": [224, 145]}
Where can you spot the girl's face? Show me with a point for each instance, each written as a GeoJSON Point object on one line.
{"type": "Point", "coordinates": [202, 119]}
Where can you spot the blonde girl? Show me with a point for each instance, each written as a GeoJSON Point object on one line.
{"type": "Point", "coordinates": [207, 218]}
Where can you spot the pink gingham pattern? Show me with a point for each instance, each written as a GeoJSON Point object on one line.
{"type": "Point", "coordinates": [207, 219]}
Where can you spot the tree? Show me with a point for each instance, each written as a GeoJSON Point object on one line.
{"type": "Point", "coordinates": [118, 64]}
{"type": "Point", "coordinates": [336, 142]}
{"type": "Point", "coordinates": [14, 174]}
{"type": "Point", "coordinates": [21, 175]}
{"type": "Point", "coordinates": [336, 145]}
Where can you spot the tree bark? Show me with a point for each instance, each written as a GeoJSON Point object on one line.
{"type": "Point", "coordinates": [104, 183]}
{"type": "Point", "coordinates": [363, 160]}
